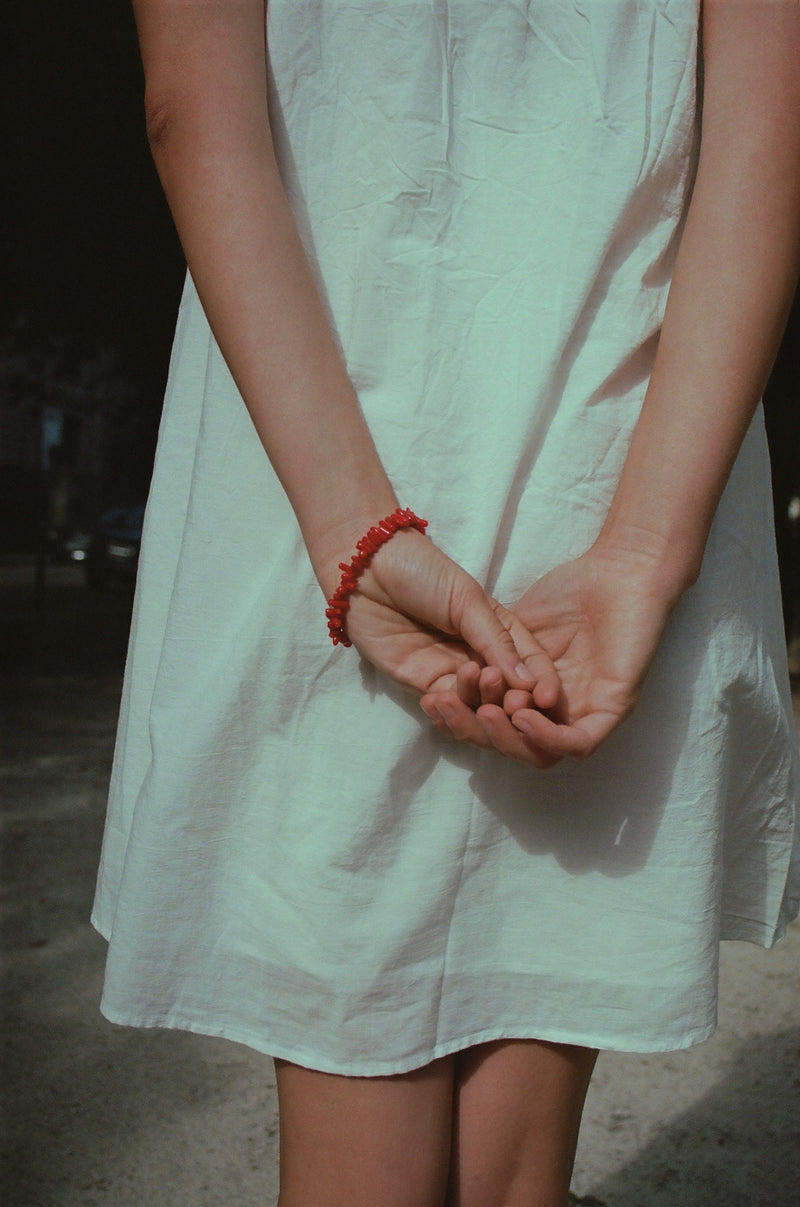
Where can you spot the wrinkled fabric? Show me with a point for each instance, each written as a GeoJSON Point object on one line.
{"type": "Point", "coordinates": [491, 195]}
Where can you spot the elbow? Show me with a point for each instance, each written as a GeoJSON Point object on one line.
{"type": "Point", "coordinates": [160, 116]}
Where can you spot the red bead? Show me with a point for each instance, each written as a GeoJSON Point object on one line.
{"type": "Point", "coordinates": [366, 547]}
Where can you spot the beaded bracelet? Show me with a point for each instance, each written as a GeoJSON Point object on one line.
{"type": "Point", "coordinates": [367, 547]}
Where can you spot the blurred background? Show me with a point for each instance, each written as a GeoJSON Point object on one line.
{"type": "Point", "coordinates": [92, 273]}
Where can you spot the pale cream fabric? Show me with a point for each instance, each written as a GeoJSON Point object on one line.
{"type": "Point", "coordinates": [491, 191]}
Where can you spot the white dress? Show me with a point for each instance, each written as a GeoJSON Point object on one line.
{"type": "Point", "coordinates": [491, 192]}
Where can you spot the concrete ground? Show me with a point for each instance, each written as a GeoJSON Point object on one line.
{"type": "Point", "coordinates": [95, 1114]}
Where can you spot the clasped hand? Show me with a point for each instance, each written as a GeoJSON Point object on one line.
{"type": "Point", "coordinates": [548, 678]}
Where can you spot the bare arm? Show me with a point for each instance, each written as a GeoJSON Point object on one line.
{"type": "Point", "coordinates": [601, 617]}
{"type": "Point", "coordinates": [206, 100]}
{"type": "Point", "coordinates": [731, 290]}
{"type": "Point", "coordinates": [206, 106]}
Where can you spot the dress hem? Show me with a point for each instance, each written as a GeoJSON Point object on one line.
{"type": "Point", "coordinates": [174, 1021]}
{"type": "Point", "coordinates": [388, 1068]}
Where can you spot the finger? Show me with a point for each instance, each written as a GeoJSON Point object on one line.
{"type": "Point", "coordinates": [433, 714]}
{"type": "Point", "coordinates": [477, 685]}
{"type": "Point", "coordinates": [482, 625]}
{"type": "Point", "coordinates": [492, 686]}
{"type": "Point", "coordinates": [577, 740]}
{"type": "Point", "coordinates": [514, 700]}
{"type": "Point", "coordinates": [508, 741]}
{"type": "Point", "coordinates": [468, 684]}
{"type": "Point", "coordinates": [459, 720]}
{"type": "Point", "coordinates": [545, 685]}
{"type": "Point", "coordinates": [489, 729]}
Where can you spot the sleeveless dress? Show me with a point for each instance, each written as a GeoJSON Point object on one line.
{"type": "Point", "coordinates": [491, 195]}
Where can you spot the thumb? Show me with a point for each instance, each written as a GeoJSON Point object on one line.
{"type": "Point", "coordinates": [502, 640]}
{"type": "Point", "coordinates": [534, 658]}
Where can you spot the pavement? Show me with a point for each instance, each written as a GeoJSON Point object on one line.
{"type": "Point", "coordinates": [99, 1115]}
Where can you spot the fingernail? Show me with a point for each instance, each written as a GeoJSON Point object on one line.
{"type": "Point", "coordinates": [523, 672]}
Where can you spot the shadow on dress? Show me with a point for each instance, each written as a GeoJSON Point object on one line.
{"type": "Point", "coordinates": [599, 815]}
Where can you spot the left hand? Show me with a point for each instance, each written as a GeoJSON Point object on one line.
{"type": "Point", "coordinates": [420, 618]}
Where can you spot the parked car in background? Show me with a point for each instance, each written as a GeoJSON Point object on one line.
{"type": "Point", "coordinates": [74, 548]}
{"type": "Point", "coordinates": [109, 552]}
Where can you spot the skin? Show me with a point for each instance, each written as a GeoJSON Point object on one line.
{"type": "Point", "coordinates": [494, 1126]}
{"type": "Point", "coordinates": [552, 676]}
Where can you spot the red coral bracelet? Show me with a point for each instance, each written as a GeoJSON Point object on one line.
{"type": "Point", "coordinates": [367, 547]}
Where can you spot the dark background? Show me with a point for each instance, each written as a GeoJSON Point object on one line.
{"type": "Point", "coordinates": [91, 266]}
{"type": "Point", "coordinates": [92, 273]}
{"type": "Point", "coordinates": [91, 256]}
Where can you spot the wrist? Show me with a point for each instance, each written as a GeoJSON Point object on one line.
{"type": "Point", "coordinates": [335, 541]}
{"type": "Point", "coordinates": [665, 565]}
{"type": "Point", "coordinates": [367, 546]}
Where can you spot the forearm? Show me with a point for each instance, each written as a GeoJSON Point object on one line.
{"type": "Point", "coordinates": [731, 290]}
{"type": "Point", "coordinates": [207, 121]}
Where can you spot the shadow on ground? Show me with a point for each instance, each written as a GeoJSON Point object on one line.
{"type": "Point", "coordinates": [736, 1147]}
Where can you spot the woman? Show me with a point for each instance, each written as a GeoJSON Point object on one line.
{"type": "Point", "coordinates": [434, 243]}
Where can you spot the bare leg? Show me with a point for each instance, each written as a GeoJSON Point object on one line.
{"type": "Point", "coordinates": [518, 1106]}
{"type": "Point", "coordinates": [365, 1141]}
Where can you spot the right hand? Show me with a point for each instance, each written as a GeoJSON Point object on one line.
{"type": "Point", "coordinates": [419, 617]}
{"type": "Point", "coordinates": [600, 618]}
